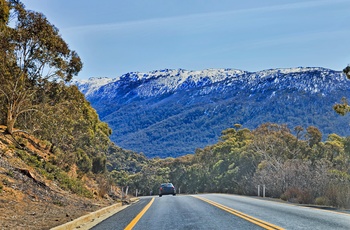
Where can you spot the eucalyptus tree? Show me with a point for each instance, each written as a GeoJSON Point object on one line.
{"type": "Point", "coordinates": [343, 108]}
{"type": "Point", "coordinates": [346, 70]}
{"type": "Point", "coordinates": [33, 55]}
{"type": "Point", "coordinates": [4, 12]}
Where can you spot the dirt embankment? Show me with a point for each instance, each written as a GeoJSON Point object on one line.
{"type": "Point", "coordinates": [30, 201]}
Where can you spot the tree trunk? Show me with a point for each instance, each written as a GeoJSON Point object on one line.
{"type": "Point", "coordinates": [10, 122]}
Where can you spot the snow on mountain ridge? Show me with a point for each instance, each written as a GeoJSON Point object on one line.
{"type": "Point", "coordinates": [163, 80]}
{"type": "Point", "coordinates": [214, 74]}
{"type": "Point", "coordinates": [92, 84]}
{"type": "Point", "coordinates": [173, 112]}
{"type": "Point", "coordinates": [172, 80]}
{"type": "Point", "coordinates": [169, 80]}
{"type": "Point", "coordinates": [292, 70]}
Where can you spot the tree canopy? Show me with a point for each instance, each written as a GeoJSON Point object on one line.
{"type": "Point", "coordinates": [35, 66]}
{"type": "Point", "coordinates": [33, 54]}
{"type": "Point", "coordinates": [343, 108]}
{"type": "Point", "coordinates": [297, 168]}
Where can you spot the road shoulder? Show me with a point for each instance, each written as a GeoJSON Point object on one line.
{"type": "Point", "coordinates": [90, 220]}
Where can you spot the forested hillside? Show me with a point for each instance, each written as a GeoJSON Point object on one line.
{"type": "Point", "coordinates": [35, 64]}
{"type": "Point", "coordinates": [173, 112]}
{"type": "Point", "coordinates": [53, 147]}
{"type": "Point", "coordinates": [297, 168]}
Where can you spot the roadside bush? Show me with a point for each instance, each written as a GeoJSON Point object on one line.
{"type": "Point", "coordinates": [296, 195]}
{"type": "Point", "coordinates": [322, 200]}
{"type": "Point", "coordinates": [104, 185]}
{"type": "Point", "coordinates": [305, 197]}
{"type": "Point", "coordinates": [290, 195]}
{"type": "Point", "coordinates": [74, 185]}
{"type": "Point", "coordinates": [284, 197]}
{"type": "Point", "coordinates": [339, 195]}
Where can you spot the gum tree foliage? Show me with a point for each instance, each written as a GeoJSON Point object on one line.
{"type": "Point", "coordinates": [73, 128]}
{"type": "Point", "coordinates": [346, 70]}
{"type": "Point", "coordinates": [4, 12]}
{"type": "Point", "coordinates": [343, 108]}
{"type": "Point", "coordinates": [298, 168]}
{"type": "Point", "coordinates": [35, 65]}
{"type": "Point", "coordinates": [33, 55]}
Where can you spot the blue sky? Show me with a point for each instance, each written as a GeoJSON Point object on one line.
{"type": "Point", "coordinates": [114, 37]}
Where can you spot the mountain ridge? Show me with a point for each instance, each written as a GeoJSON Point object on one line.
{"type": "Point", "coordinates": [215, 75]}
{"type": "Point", "coordinates": [173, 112]}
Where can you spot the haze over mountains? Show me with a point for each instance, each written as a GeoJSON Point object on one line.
{"type": "Point", "coordinates": [172, 112]}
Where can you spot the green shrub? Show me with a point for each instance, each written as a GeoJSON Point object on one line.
{"type": "Point", "coordinates": [45, 144]}
{"type": "Point", "coordinates": [6, 182]}
{"type": "Point", "coordinates": [31, 160]}
{"type": "Point", "coordinates": [58, 203]}
{"type": "Point", "coordinates": [284, 197]}
{"type": "Point", "coordinates": [22, 141]}
{"type": "Point", "coordinates": [53, 172]}
{"type": "Point", "coordinates": [99, 164]}
{"type": "Point", "coordinates": [74, 185]}
{"type": "Point", "coordinates": [84, 163]}
{"type": "Point", "coordinates": [322, 200]}
{"type": "Point", "coordinates": [10, 173]}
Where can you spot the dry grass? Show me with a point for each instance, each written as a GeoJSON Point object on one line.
{"type": "Point", "coordinates": [28, 199]}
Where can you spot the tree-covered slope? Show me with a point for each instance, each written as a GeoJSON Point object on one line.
{"type": "Point", "coordinates": [296, 168]}
{"type": "Point", "coordinates": [173, 112]}
{"type": "Point", "coordinates": [53, 147]}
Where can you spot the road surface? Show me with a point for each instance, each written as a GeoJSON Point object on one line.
{"type": "Point", "coordinates": [222, 211]}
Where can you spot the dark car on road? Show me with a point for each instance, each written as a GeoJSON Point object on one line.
{"type": "Point", "coordinates": [166, 189]}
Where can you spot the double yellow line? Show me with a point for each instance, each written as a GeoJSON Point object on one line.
{"type": "Point", "coordinates": [242, 215]}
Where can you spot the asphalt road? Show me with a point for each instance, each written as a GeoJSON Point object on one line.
{"type": "Point", "coordinates": [221, 211]}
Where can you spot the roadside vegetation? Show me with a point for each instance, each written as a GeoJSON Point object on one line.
{"type": "Point", "coordinates": [52, 135]}
{"type": "Point", "coordinates": [294, 167]}
{"type": "Point", "coordinates": [37, 102]}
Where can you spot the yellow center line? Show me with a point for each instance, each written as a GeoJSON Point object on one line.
{"type": "Point", "coordinates": [242, 215]}
{"type": "Point", "coordinates": [138, 217]}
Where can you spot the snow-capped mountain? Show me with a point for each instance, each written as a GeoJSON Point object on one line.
{"type": "Point", "coordinates": [92, 84]}
{"type": "Point", "coordinates": [173, 112]}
